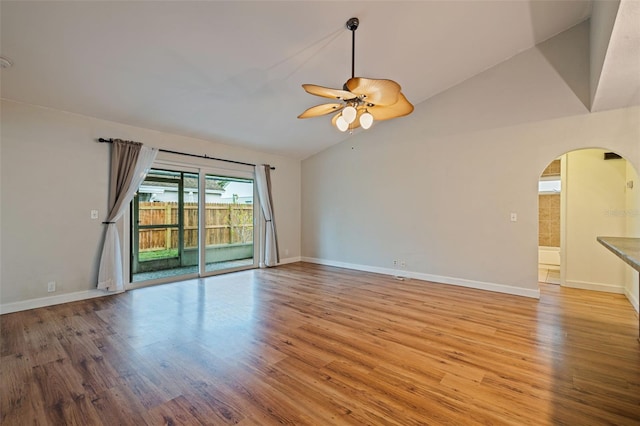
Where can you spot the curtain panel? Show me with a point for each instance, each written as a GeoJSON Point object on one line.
{"type": "Point", "coordinates": [130, 162]}
{"type": "Point", "coordinates": [269, 255]}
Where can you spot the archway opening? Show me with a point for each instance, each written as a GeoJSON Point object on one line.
{"type": "Point", "coordinates": [584, 194]}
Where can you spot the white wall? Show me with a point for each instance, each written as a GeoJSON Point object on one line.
{"type": "Point", "coordinates": [459, 165]}
{"type": "Point", "coordinates": [53, 173]}
{"type": "Point", "coordinates": [595, 206]}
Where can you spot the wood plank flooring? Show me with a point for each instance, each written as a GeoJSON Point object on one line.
{"type": "Point", "coordinates": [306, 344]}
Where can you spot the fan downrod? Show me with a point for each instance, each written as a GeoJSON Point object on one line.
{"type": "Point", "coordinates": [352, 25]}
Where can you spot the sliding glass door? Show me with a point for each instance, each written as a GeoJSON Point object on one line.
{"type": "Point", "coordinates": [165, 225]}
{"type": "Point", "coordinates": [167, 242]}
{"type": "Point", "coordinates": [229, 223]}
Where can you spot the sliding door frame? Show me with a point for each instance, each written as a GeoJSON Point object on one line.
{"type": "Point", "coordinates": [242, 172]}
{"type": "Point", "coordinates": [129, 237]}
{"type": "Point", "coordinates": [204, 172]}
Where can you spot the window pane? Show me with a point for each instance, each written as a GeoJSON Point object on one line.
{"type": "Point", "coordinates": [549, 186]}
{"type": "Point", "coordinates": [169, 199]}
{"type": "Point", "coordinates": [229, 222]}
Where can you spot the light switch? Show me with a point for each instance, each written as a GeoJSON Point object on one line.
{"type": "Point", "coordinates": [514, 217]}
{"type": "Point", "coordinates": [94, 214]}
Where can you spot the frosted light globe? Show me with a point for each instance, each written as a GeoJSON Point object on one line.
{"type": "Point", "coordinates": [366, 120]}
{"type": "Point", "coordinates": [341, 124]}
{"type": "Point", "coordinates": [349, 114]}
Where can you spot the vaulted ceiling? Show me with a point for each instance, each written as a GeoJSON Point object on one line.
{"type": "Point", "coordinates": [231, 71]}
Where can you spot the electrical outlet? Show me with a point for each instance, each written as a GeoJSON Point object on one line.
{"type": "Point", "coordinates": [51, 286]}
{"type": "Point", "coordinates": [395, 263]}
{"type": "Point", "coordinates": [403, 264]}
{"type": "Point", "coordinates": [94, 214]}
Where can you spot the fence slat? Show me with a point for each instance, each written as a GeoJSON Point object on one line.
{"type": "Point", "coordinates": [224, 224]}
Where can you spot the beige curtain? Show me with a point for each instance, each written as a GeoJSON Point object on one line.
{"type": "Point", "coordinates": [269, 255]}
{"type": "Point", "coordinates": [130, 162]}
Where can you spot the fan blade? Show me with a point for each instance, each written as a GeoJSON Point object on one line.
{"type": "Point", "coordinates": [354, 125]}
{"type": "Point", "coordinates": [327, 92]}
{"type": "Point", "coordinates": [319, 110]}
{"type": "Point", "coordinates": [377, 92]}
{"type": "Point", "coordinates": [399, 109]}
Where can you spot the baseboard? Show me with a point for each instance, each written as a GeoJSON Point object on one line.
{"type": "Point", "coordinates": [289, 260]}
{"type": "Point", "coordinates": [461, 282]}
{"type": "Point", "coordinates": [585, 285]}
{"type": "Point", "coordinates": [364, 268]}
{"type": "Point", "coordinates": [480, 285]}
{"type": "Point", "coordinates": [632, 299]}
{"type": "Point", "coordinates": [42, 302]}
{"type": "Point", "coordinates": [548, 266]}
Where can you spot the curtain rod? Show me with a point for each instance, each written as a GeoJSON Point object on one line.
{"type": "Point", "coordinates": [103, 140]}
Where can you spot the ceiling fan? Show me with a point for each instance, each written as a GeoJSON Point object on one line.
{"type": "Point", "coordinates": [361, 100]}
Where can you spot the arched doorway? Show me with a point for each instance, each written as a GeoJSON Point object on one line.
{"type": "Point", "coordinates": [584, 194]}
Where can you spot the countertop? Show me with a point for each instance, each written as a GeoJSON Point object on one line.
{"type": "Point", "coordinates": [627, 249]}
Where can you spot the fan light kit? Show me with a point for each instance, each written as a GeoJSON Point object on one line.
{"type": "Point", "coordinates": [362, 100]}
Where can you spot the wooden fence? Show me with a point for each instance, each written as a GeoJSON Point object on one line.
{"type": "Point", "coordinates": [224, 224]}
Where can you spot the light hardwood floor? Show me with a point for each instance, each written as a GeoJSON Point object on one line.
{"type": "Point", "coordinates": [308, 344]}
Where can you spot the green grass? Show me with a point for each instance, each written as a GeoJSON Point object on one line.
{"type": "Point", "coordinates": [157, 254]}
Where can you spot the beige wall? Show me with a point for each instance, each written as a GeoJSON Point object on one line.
{"type": "Point", "coordinates": [53, 173]}
{"type": "Point", "coordinates": [455, 169]}
{"type": "Point", "coordinates": [632, 214]}
{"type": "Point", "coordinates": [595, 190]}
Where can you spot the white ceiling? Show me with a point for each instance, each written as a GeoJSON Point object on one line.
{"type": "Point", "coordinates": [230, 71]}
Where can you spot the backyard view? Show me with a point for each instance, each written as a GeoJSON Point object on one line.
{"type": "Point", "coordinates": [226, 224]}
{"type": "Point", "coordinates": [165, 227]}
